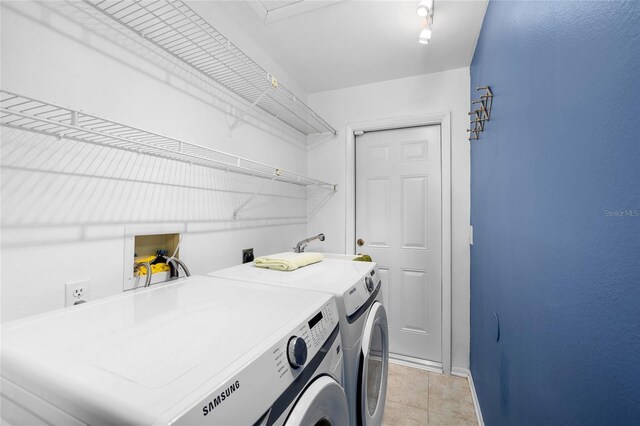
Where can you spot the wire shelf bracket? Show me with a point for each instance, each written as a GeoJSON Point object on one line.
{"type": "Point", "coordinates": [244, 113]}
{"type": "Point", "coordinates": [254, 195]}
{"type": "Point", "coordinates": [25, 113]}
{"type": "Point", "coordinates": [177, 29]}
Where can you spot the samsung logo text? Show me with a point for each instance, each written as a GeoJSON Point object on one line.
{"type": "Point", "coordinates": [217, 400]}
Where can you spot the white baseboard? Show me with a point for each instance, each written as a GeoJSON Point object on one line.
{"type": "Point", "coordinates": [463, 372]}
{"type": "Point", "coordinates": [460, 372]}
{"type": "Point", "coordinates": [415, 363]}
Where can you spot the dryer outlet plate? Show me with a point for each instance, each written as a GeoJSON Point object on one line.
{"type": "Point", "coordinates": [247, 255]}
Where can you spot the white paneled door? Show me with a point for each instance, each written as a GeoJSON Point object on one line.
{"type": "Point", "coordinates": [399, 223]}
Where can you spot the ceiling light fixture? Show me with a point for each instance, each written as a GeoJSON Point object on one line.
{"type": "Point", "coordinates": [425, 7]}
{"type": "Point", "coordinates": [425, 10]}
{"type": "Point", "coordinates": [425, 36]}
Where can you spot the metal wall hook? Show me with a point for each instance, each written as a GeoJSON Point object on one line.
{"type": "Point", "coordinates": [480, 114]}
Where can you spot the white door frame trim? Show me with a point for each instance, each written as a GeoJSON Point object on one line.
{"type": "Point", "coordinates": [444, 120]}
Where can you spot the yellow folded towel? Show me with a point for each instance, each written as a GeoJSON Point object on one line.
{"type": "Point", "coordinates": [288, 261]}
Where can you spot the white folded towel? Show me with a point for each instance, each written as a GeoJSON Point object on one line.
{"type": "Point", "coordinates": [288, 261]}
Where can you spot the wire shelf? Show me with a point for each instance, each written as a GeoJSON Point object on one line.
{"type": "Point", "coordinates": [22, 112]}
{"type": "Point", "coordinates": [177, 29]}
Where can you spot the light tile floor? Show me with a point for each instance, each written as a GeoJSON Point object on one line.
{"type": "Point", "coordinates": [418, 397]}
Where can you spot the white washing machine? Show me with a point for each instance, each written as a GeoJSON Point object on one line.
{"type": "Point", "coordinates": [200, 351]}
{"type": "Point", "coordinates": [363, 323]}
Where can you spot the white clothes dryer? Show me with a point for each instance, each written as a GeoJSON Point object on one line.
{"type": "Point", "coordinates": [363, 323]}
{"type": "Point", "coordinates": [199, 350]}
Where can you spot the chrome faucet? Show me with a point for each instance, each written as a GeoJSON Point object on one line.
{"type": "Point", "coordinates": [299, 248]}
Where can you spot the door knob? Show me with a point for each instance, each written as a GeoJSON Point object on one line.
{"type": "Point", "coordinates": [360, 242]}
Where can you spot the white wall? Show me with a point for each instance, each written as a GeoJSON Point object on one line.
{"type": "Point", "coordinates": [66, 205]}
{"type": "Point", "coordinates": [432, 93]}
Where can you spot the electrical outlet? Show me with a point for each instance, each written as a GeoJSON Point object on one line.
{"type": "Point", "coordinates": [247, 255]}
{"type": "Point", "coordinates": [77, 292]}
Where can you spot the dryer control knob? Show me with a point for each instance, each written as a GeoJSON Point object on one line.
{"type": "Point", "coordinates": [369, 282]}
{"type": "Point", "coordinates": [297, 352]}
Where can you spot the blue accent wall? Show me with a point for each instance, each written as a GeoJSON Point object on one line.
{"type": "Point", "coordinates": [555, 205]}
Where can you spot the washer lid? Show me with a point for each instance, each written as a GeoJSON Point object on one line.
{"type": "Point", "coordinates": [330, 275]}
{"type": "Point", "coordinates": [135, 355]}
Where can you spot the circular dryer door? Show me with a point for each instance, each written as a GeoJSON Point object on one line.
{"type": "Point", "coordinates": [374, 362]}
{"type": "Point", "coordinates": [323, 403]}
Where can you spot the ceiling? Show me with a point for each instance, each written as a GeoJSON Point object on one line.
{"type": "Point", "coordinates": [330, 44]}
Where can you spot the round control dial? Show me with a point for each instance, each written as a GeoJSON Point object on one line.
{"type": "Point", "coordinates": [369, 282]}
{"type": "Point", "coordinates": [297, 352]}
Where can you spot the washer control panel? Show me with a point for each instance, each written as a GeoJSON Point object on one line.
{"type": "Point", "coordinates": [361, 291]}
{"type": "Point", "coordinates": [322, 324]}
{"type": "Point", "coordinates": [369, 283]}
{"type": "Point", "coordinates": [305, 341]}
{"type": "Point", "coordinates": [296, 352]}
